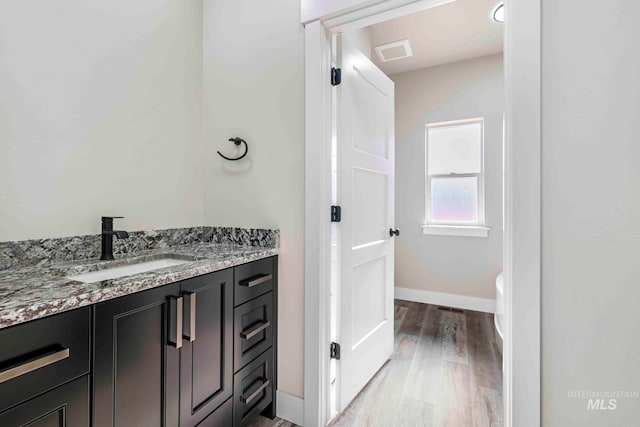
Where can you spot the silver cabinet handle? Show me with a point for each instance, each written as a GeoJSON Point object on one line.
{"type": "Point", "coordinates": [255, 331]}
{"type": "Point", "coordinates": [253, 395]}
{"type": "Point", "coordinates": [175, 327]}
{"type": "Point", "coordinates": [190, 318]}
{"type": "Point", "coordinates": [256, 280]}
{"type": "Point", "coordinates": [33, 364]}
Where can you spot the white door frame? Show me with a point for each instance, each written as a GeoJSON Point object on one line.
{"type": "Point", "coordinates": [522, 241]}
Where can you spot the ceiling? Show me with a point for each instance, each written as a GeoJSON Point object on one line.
{"type": "Point", "coordinates": [455, 31]}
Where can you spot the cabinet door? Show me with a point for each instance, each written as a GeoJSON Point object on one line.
{"type": "Point", "coordinates": [135, 369]}
{"type": "Point", "coordinates": [222, 417]}
{"type": "Point", "coordinates": [206, 371]}
{"type": "Point", "coordinates": [65, 406]}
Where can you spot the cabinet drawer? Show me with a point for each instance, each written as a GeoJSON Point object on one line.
{"type": "Point", "coordinates": [252, 280]}
{"type": "Point", "coordinates": [253, 389]}
{"type": "Point", "coordinates": [65, 406]}
{"type": "Point", "coordinates": [221, 417]}
{"type": "Point", "coordinates": [253, 329]}
{"type": "Point", "coordinates": [43, 354]}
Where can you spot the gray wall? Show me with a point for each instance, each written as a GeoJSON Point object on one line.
{"type": "Point", "coordinates": [590, 209]}
{"type": "Point", "coordinates": [467, 89]}
{"type": "Point", "coordinates": [99, 115]}
{"type": "Point", "coordinates": [254, 88]}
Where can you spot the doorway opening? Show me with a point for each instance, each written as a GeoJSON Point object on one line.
{"type": "Point", "coordinates": [417, 148]}
{"type": "Point", "coordinates": [521, 257]}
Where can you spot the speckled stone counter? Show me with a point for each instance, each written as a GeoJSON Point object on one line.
{"type": "Point", "coordinates": [35, 291]}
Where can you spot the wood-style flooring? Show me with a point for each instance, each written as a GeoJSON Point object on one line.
{"type": "Point", "coordinates": [446, 371]}
{"type": "Point", "coordinates": [277, 422]}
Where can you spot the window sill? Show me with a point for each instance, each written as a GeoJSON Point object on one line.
{"type": "Point", "coordinates": [456, 230]}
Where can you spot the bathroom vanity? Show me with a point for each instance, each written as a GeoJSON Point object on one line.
{"type": "Point", "coordinates": [194, 344]}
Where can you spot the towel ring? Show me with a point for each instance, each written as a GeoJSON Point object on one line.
{"type": "Point", "coordinates": [236, 141]}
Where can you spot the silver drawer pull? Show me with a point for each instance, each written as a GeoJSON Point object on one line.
{"type": "Point", "coordinates": [189, 322]}
{"type": "Point", "coordinates": [255, 394]}
{"type": "Point", "coordinates": [175, 321]}
{"type": "Point", "coordinates": [31, 365]}
{"type": "Point", "coordinates": [256, 280]}
{"type": "Point", "coordinates": [247, 335]}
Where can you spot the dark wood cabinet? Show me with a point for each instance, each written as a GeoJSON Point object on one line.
{"type": "Point", "coordinates": [161, 357]}
{"type": "Point", "coordinates": [40, 355]}
{"type": "Point", "coordinates": [206, 362]}
{"type": "Point", "coordinates": [222, 417]}
{"type": "Point", "coordinates": [254, 279]}
{"type": "Point", "coordinates": [151, 369]}
{"type": "Point", "coordinates": [136, 371]}
{"type": "Point", "coordinates": [254, 388]}
{"type": "Point", "coordinates": [65, 406]}
{"type": "Point", "coordinates": [254, 325]}
{"type": "Point", "coordinates": [255, 341]}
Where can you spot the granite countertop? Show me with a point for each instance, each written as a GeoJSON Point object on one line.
{"type": "Point", "coordinates": [33, 292]}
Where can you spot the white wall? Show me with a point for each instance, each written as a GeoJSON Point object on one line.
{"type": "Point", "coordinates": [99, 115]}
{"type": "Point", "coordinates": [253, 88]}
{"type": "Point", "coordinates": [361, 39]}
{"type": "Point", "coordinates": [315, 9]}
{"type": "Point", "coordinates": [467, 89]}
{"type": "Point", "coordinates": [590, 209]}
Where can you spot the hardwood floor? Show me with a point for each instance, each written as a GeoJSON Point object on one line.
{"type": "Point", "coordinates": [446, 371]}
{"type": "Point", "coordinates": [277, 422]}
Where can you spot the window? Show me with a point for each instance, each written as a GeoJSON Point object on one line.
{"type": "Point", "coordinates": [455, 178]}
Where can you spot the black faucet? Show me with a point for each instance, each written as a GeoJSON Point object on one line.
{"type": "Point", "coordinates": [107, 236]}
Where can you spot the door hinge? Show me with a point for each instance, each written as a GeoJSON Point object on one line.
{"type": "Point", "coordinates": [336, 76]}
{"type": "Point", "coordinates": [334, 350]}
{"type": "Point", "coordinates": [336, 213]}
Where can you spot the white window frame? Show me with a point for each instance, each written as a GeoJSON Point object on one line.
{"type": "Point", "coordinates": [450, 228]}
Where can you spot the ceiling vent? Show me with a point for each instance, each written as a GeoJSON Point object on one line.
{"type": "Point", "coordinates": [395, 50]}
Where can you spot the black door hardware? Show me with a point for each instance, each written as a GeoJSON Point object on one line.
{"type": "Point", "coordinates": [336, 76]}
{"type": "Point", "coordinates": [336, 213]}
{"type": "Point", "coordinates": [334, 351]}
{"type": "Point", "coordinates": [236, 141]}
{"type": "Point", "coordinates": [393, 232]}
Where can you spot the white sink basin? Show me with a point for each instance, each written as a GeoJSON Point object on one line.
{"type": "Point", "coordinates": [126, 270]}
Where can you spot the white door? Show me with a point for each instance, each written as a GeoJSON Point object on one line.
{"type": "Point", "coordinates": [365, 148]}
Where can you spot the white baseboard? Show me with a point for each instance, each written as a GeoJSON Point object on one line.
{"type": "Point", "coordinates": [290, 407]}
{"type": "Point", "coordinates": [448, 300]}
